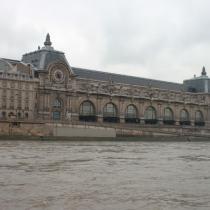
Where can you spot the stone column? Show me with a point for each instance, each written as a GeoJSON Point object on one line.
{"type": "Point", "coordinates": [121, 110]}
{"type": "Point", "coordinates": [74, 113]}
{"type": "Point", "coordinates": [207, 117]}
{"type": "Point", "coordinates": [100, 118]}
{"type": "Point", "coordinates": [177, 122]}
{"type": "Point", "coordinates": [141, 113]}
{"type": "Point", "coordinates": [142, 122]}
{"type": "Point", "coordinates": [122, 119]}
{"type": "Point", "coordinates": [176, 115]}
{"type": "Point", "coordinates": [160, 115]}
{"type": "Point", "coordinates": [75, 117]}
{"type": "Point", "coordinates": [99, 110]}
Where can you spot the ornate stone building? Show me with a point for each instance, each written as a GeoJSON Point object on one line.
{"type": "Point", "coordinates": [44, 87]}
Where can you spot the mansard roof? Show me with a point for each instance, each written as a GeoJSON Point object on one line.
{"type": "Point", "coordinates": [124, 79]}
{"type": "Point", "coordinates": [42, 57]}
{"type": "Point", "coordinates": [82, 73]}
{"type": "Point", "coordinates": [5, 65]}
{"type": "Point", "coordinates": [46, 55]}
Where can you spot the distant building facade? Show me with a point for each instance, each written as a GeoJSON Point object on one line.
{"type": "Point", "coordinates": [44, 87]}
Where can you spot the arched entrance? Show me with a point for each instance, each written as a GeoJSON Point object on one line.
{"type": "Point", "coordinates": [57, 109]}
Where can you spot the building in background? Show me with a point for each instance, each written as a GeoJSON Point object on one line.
{"type": "Point", "coordinates": [43, 87]}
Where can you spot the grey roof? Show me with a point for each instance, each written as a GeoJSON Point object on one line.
{"type": "Point", "coordinates": [131, 80]}
{"type": "Point", "coordinates": [40, 59]}
{"type": "Point", "coordinates": [5, 65]}
{"type": "Point", "coordinates": [11, 61]}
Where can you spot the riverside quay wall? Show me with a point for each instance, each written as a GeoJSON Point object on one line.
{"type": "Point", "coordinates": [96, 130]}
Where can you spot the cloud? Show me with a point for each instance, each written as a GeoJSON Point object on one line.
{"type": "Point", "coordinates": [160, 39]}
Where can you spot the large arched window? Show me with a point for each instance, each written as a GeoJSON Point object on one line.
{"type": "Point", "coordinates": [184, 117]}
{"type": "Point", "coordinates": [199, 120]}
{"type": "Point", "coordinates": [18, 115]}
{"type": "Point", "coordinates": [168, 117]}
{"type": "Point", "coordinates": [57, 103]}
{"type": "Point", "coordinates": [87, 112]}
{"type": "Point", "coordinates": [131, 114]}
{"type": "Point", "coordinates": [150, 115]}
{"type": "Point", "coordinates": [110, 113]}
{"type": "Point", "coordinates": [26, 115]}
{"type": "Point", "coordinates": [110, 110]}
{"type": "Point", "coordinates": [4, 115]}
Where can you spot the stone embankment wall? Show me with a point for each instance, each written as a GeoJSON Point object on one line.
{"type": "Point", "coordinates": [94, 130]}
{"type": "Point", "coordinates": [49, 129]}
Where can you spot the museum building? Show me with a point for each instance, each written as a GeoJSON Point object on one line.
{"type": "Point", "coordinates": [44, 87]}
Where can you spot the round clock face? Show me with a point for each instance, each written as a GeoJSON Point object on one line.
{"type": "Point", "coordinates": [58, 76]}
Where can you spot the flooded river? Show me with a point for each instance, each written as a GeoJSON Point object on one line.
{"type": "Point", "coordinates": [49, 175]}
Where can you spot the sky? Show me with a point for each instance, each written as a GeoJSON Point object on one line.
{"type": "Point", "coordinates": [158, 39]}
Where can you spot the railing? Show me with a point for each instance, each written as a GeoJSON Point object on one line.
{"type": "Point", "coordinates": [199, 123]}
{"type": "Point", "coordinates": [151, 121]}
{"type": "Point", "coordinates": [88, 118]}
{"type": "Point", "coordinates": [185, 122]}
{"type": "Point", "coordinates": [111, 119]}
{"type": "Point", "coordinates": [169, 122]}
{"type": "Point", "coordinates": [108, 122]}
{"type": "Point", "coordinates": [132, 120]}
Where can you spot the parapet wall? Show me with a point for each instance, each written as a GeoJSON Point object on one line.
{"type": "Point", "coordinates": [106, 130]}
{"type": "Point", "coordinates": [49, 129]}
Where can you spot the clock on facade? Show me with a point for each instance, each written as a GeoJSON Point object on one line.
{"type": "Point", "coordinates": [58, 75]}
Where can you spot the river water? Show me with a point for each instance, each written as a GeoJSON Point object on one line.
{"type": "Point", "coordinates": [59, 175]}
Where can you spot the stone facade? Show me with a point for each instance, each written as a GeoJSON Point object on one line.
{"type": "Point", "coordinates": [18, 91]}
{"type": "Point", "coordinates": [43, 87]}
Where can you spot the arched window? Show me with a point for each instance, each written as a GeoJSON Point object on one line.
{"type": "Point", "coordinates": [184, 117]}
{"type": "Point", "coordinates": [3, 115]}
{"type": "Point", "coordinates": [19, 115]}
{"type": "Point", "coordinates": [131, 114]}
{"type": "Point", "coordinates": [110, 113]}
{"type": "Point", "coordinates": [168, 117]}
{"type": "Point", "coordinates": [57, 103]}
{"type": "Point", "coordinates": [26, 115]}
{"type": "Point", "coordinates": [87, 112]}
{"type": "Point", "coordinates": [87, 108]}
{"type": "Point", "coordinates": [150, 115]}
{"type": "Point", "coordinates": [110, 110]}
{"type": "Point", "coordinates": [199, 120]}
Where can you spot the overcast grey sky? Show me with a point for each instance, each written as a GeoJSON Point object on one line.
{"type": "Point", "coordinates": [159, 39]}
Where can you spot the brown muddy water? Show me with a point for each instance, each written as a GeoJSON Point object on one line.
{"type": "Point", "coordinates": [57, 175]}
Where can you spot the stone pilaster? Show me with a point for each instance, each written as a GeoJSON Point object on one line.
{"type": "Point", "coordinates": [142, 122]}
{"type": "Point", "coordinates": [99, 118]}
{"type": "Point", "coordinates": [122, 119]}
{"type": "Point", "coordinates": [160, 121]}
